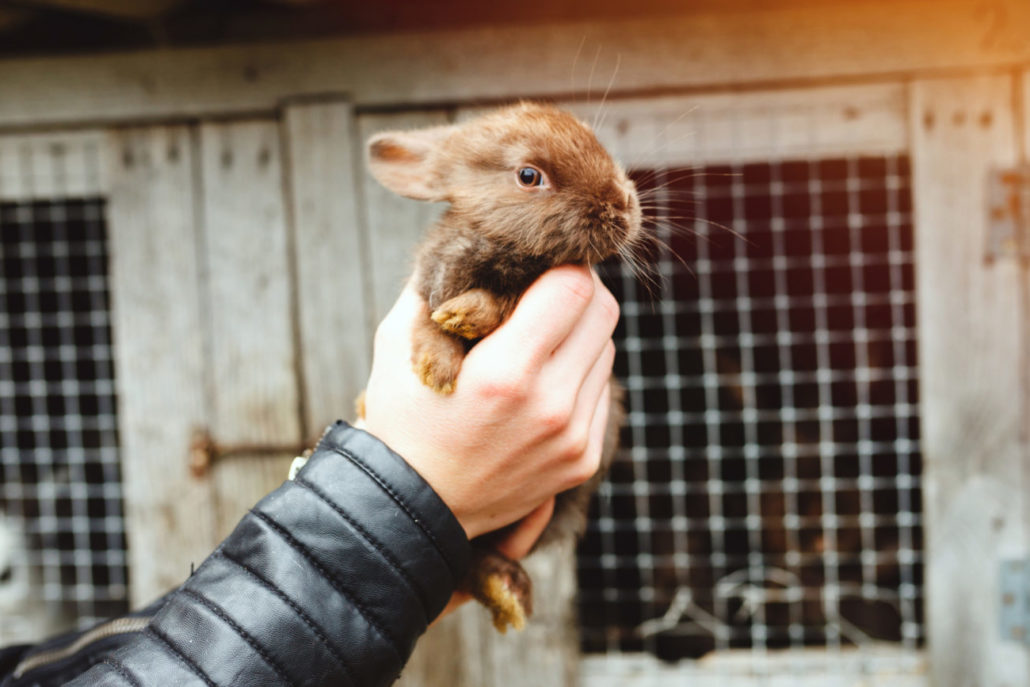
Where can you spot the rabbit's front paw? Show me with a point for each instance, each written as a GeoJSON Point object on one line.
{"type": "Point", "coordinates": [435, 356]}
{"type": "Point", "coordinates": [437, 372]}
{"type": "Point", "coordinates": [470, 315]}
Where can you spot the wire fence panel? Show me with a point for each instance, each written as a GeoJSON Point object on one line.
{"type": "Point", "coordinates": [60, 485]}
{"type": "Point", "coordinates": [768, 493]}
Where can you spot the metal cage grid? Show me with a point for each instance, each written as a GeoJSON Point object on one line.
{"type": "Point", "coordinates": [58, 432]}
{"type": "Point", "coordinates": [768, 491]}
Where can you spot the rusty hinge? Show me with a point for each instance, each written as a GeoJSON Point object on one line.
{"type": "Point", "coordinates": [205, 451]}
{"type": "Point", "coordinates": [1008, 231]}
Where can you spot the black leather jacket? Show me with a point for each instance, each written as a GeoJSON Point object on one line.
{"type": "Point", "coordinates": [329, 580]}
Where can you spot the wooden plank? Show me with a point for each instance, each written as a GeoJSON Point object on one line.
{"type": "Point", "coordinates": [708, 46]}
{"type": "Point", "coordinates": [253, 387]}
{"type": "Point", "coordinates": [756, 126]}
{"type": "Point", "coordinates": [1023, 125]}
{"type": "Point", "coordinates": [753, 126]}
{"type": "Point", "coordinates": [331, 259]}
{"type": "Point", "coordinates": [156, 296]}
{"type": "Point", "coordinates": [394, 224]}
{"type": "Point", "coordinates": [52, 165]}
{"type": "Point", "coordinates": [881, 665]}
{"type": "Point", "coordinates": [973, 400]}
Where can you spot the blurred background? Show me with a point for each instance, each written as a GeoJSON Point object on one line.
{"type": "Point", "coordinates": [823, 473]}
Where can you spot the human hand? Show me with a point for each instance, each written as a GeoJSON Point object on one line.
{"type": "Point", "coordinates": [528, 416]}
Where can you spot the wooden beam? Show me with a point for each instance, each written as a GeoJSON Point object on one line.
{"type": "Point", "coordinates": [883, 665]}
{"type": "Point", "coordinates": [971, 391]}
{"type": "Point", "coordinates": [158, 323]}
{"type": "Point", "coordinates": [755, 126]}
{"type": "Point", "coordinates": [334, 330]}
{"type": "Point", "coordinates": [53, 165]}
{"type": "Point", "coordinates": [254, 387]}
{"type": "Point", "coordinates": [773, 43]}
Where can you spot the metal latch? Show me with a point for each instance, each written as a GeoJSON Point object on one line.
{"type": "Point", "coordinates": [1008, 231]}
{"type": "Point", "coordinates": [1015, 601]}
{"type": "Point", "coordinates": [205, 451]}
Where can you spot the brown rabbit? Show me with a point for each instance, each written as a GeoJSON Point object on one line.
{"type": "Point", "coordinates": [529, 188]}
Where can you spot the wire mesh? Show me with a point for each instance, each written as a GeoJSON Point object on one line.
{"type": "Point", "coordinates": [60, 486]}
{"type": "Point", "coordinates": [768, 492]}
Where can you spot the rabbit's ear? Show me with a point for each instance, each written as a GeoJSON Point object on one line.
{"type": "Point", "coordinates": [402, 161]}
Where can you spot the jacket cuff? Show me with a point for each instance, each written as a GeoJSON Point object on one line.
{"type": "Point", "coordinates": [349, 460]}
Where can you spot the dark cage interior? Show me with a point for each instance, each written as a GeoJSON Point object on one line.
{"type": "Point", "coordinates": [60, 482]}
{"type": "Point", "coordinates": [768, 492]}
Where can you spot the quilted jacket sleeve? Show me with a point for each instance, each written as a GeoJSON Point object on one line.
{"type": "Point", "coordinates": [329, 580]}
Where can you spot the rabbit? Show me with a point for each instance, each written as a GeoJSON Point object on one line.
{"type": "Point", "coordinates": [529, 187]}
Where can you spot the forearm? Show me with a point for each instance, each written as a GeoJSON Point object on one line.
{"type": "Point", "coordinates": [329, 580]}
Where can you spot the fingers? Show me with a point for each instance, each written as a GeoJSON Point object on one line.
{"type": "Point", "coordinates": [594, 387]}
{"type": "Point", "coordinates": [598, 431]}
{"type": "Point", "coordinates": [574, 357]}
{"type": "Point", "coordinates": [545, 316]}
{"type": "Point", "coordinates": [519, 542]}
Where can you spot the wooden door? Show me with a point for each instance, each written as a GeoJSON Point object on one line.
{"type": "Point", "coordinates": [240, 311]}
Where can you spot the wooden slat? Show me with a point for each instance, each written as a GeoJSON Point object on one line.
{"type": "Point", "coordinates": [156, 293]}
{"type": "Point", "coordinates": [253, 382]}
{"type": "Point", "coordinates": [1024, 128]}
{"type": "Point", "coordinates": [52, 165]}
{"type": "Point", "coordinates": [752, 127]}
{"type": "Point", "coordinates": [394, 224]}
{"type": "Point", "coordinates": [971, 349]}
{"type": "Point", "coordinates": [708, 46]}
{"type": "Point", "coordinates": [881, 665]}
{"type": "Point", "coordinates": [335, 326]}
{"type": "Point", "coordinates": [1025, 125]}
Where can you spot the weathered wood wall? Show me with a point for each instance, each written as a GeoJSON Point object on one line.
{"type": "Point", "coordinates": [246, 237]}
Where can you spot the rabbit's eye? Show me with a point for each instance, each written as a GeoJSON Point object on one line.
{"type": "Point", "coordinates": [530, 176]}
